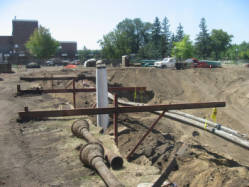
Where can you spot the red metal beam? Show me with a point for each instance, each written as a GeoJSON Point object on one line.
{"type": "Point", "coordinates": [115, 119]}
{"type": "Point", "coordinates": [74, 95]}
{"type": "Point", "coordinates": [41, 91]}
{"type": "Point", "coordinates": [111, 110]}
{"type": "Point", "coordinates": [52, 78]}
{"type": "Point", "coordinates": [145, 135]}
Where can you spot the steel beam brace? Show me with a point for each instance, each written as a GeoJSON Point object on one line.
{"type": "Point", "coordinates": [111, 110]}
{"type": "Point", "coordinates": [145, 135]}
{"type": "Point", "coordinates": [41, 91]}
{"type": "Point", "coordinates": [115, 119]}
{"type": "Point", "coordinates": [52, 78]}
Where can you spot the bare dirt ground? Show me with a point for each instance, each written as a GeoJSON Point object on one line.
{"type": "Point", "coordinates": [43, 152]}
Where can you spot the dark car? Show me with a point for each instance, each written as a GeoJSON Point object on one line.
{"type": "Point", "coordinates": [33, 65]}
{"type": "Point", "coordinates": [196, 63]}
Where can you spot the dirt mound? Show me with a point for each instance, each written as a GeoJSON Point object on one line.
{"type": "Point", "coordinates": [220, 163]}
{"type": "Point", "coordinates": [195, 85]}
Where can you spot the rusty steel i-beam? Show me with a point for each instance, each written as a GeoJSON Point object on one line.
{"type": "Point", "coordinates": [110, 110]}
{"type": "Point", "coordinates": [52, 78]}
{"type": "Point", "coordinates": [145, 135]}
{"type": "Point", "coordinates": [41, 91]}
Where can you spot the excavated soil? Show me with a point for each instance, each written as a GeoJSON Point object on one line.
{"type": "Point", "coordinates": [208, 161]}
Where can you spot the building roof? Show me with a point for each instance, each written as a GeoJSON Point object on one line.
{"type": "Point", "coordinates": [24, 20]}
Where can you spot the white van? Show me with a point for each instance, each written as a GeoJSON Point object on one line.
{"type": "Point", "coordinates": [166, 63]}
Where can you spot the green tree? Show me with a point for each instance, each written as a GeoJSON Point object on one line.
{"type": "Point", "coordinates": [127, 28]}
{"type": "Point", "coordinates": [220, 41]}
{"type": "Point", "coordinates": [153, 49]}
{"type": "Point", "coordinates": [243, 51]}
{"type": "Point", "coordinates": [183, 49]}
{"type": "Point", "coordinates": [179, 33]}
{"type": "Point", "coordinates": [115, 44]}
{"type": "Point", "coordinates": [149, 51]}
{"type": "Point", "coordinates": [86, 54]}
{"type": "Point", "coordinates": [108, 45]}
{"type": "Point", "coordinates": [203, 41]}
{"type": "Point", "coordinates": [232, 52]}
{"type": "Point", "coordinates": [165, 43]}
{"type": "Point", "coordinates": [156, 33]}
{"type": "Point", "coordinates": [164, 46]}
{"type": "Point", "coordinates": [171, 43]}
{"type": "Point", "coordinates": [41, 44]}
{"type": "Point", "coordinates": [128, 37]}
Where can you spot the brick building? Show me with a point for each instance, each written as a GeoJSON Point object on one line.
{"type": "Point", "coordinates": [67, 50]}
{"type": "Point", "coordinates": [6, 44]}
{"type": "Point", "coordinates": [21, 31]}
{"type": "Point", "coordinates": [12, 48]}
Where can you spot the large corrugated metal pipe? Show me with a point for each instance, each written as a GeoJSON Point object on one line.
{"type": "Point", "coordinates": [80, 128]}
{"type": "Point", "coordinates": [92, 155]}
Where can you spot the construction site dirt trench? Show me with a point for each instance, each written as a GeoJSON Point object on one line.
{"type": "Point", "coordinates": [209, 160]}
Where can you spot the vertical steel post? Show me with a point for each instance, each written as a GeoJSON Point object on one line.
{"type": "Point", "coordinates": [18, 88]}
{"type": "Point", "coordinates": [144, 136]}
{"type": "Point", "coordinates": [26, 109]}
{"type": "Point", "coordinates": [115, 119]}
{"type": "Point", "coordinates": [52, 82]}
{"type": "Point", "coordinates": [74, 99]}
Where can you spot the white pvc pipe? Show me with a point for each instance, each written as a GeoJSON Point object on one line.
{"type": "Point", "coordinates": [223, 134]}
{"type": "Point", "coordinates": [102, 94]}
{"type": "Point", "coordinates": [210, 123]}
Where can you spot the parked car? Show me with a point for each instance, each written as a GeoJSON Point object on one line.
{"type": "Point", "coordinates": [196, 63]}
{"type": "Point", "coordinates": [212, 64]}
{"type": "Point", "coordinates": [49, 63]}
{"type": "Point", "coordinates": [76, 62]}
{"type": "Point", "coordinates": [206, 63]}
{"type": "Point", "coordinates": [192, 62]}
{"type": "Point", "coordinates": [166, 63]}
{"type": "Point", "coordinates": [90, 62]}
{"type": "Point", "coordinates": [147, 63]}
{"type": "Point", "coordinates": [33, 65]}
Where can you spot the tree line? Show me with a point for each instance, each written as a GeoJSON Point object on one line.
{"type": "Point", "coordinates": [148, 40]}
{"type": "Point", "coordinates": [156, 40]}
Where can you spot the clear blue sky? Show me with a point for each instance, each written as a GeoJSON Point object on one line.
{"type": "Point", "coordinates": [86, 21]}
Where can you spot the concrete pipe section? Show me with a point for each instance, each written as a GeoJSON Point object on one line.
{"type": "Point", "coordinates": [92, 155]}
{"type": "Point", "coordinates": [80, 128]}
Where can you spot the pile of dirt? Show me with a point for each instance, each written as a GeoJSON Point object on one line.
{"type": "Point", "coordinates": [193, 85]}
